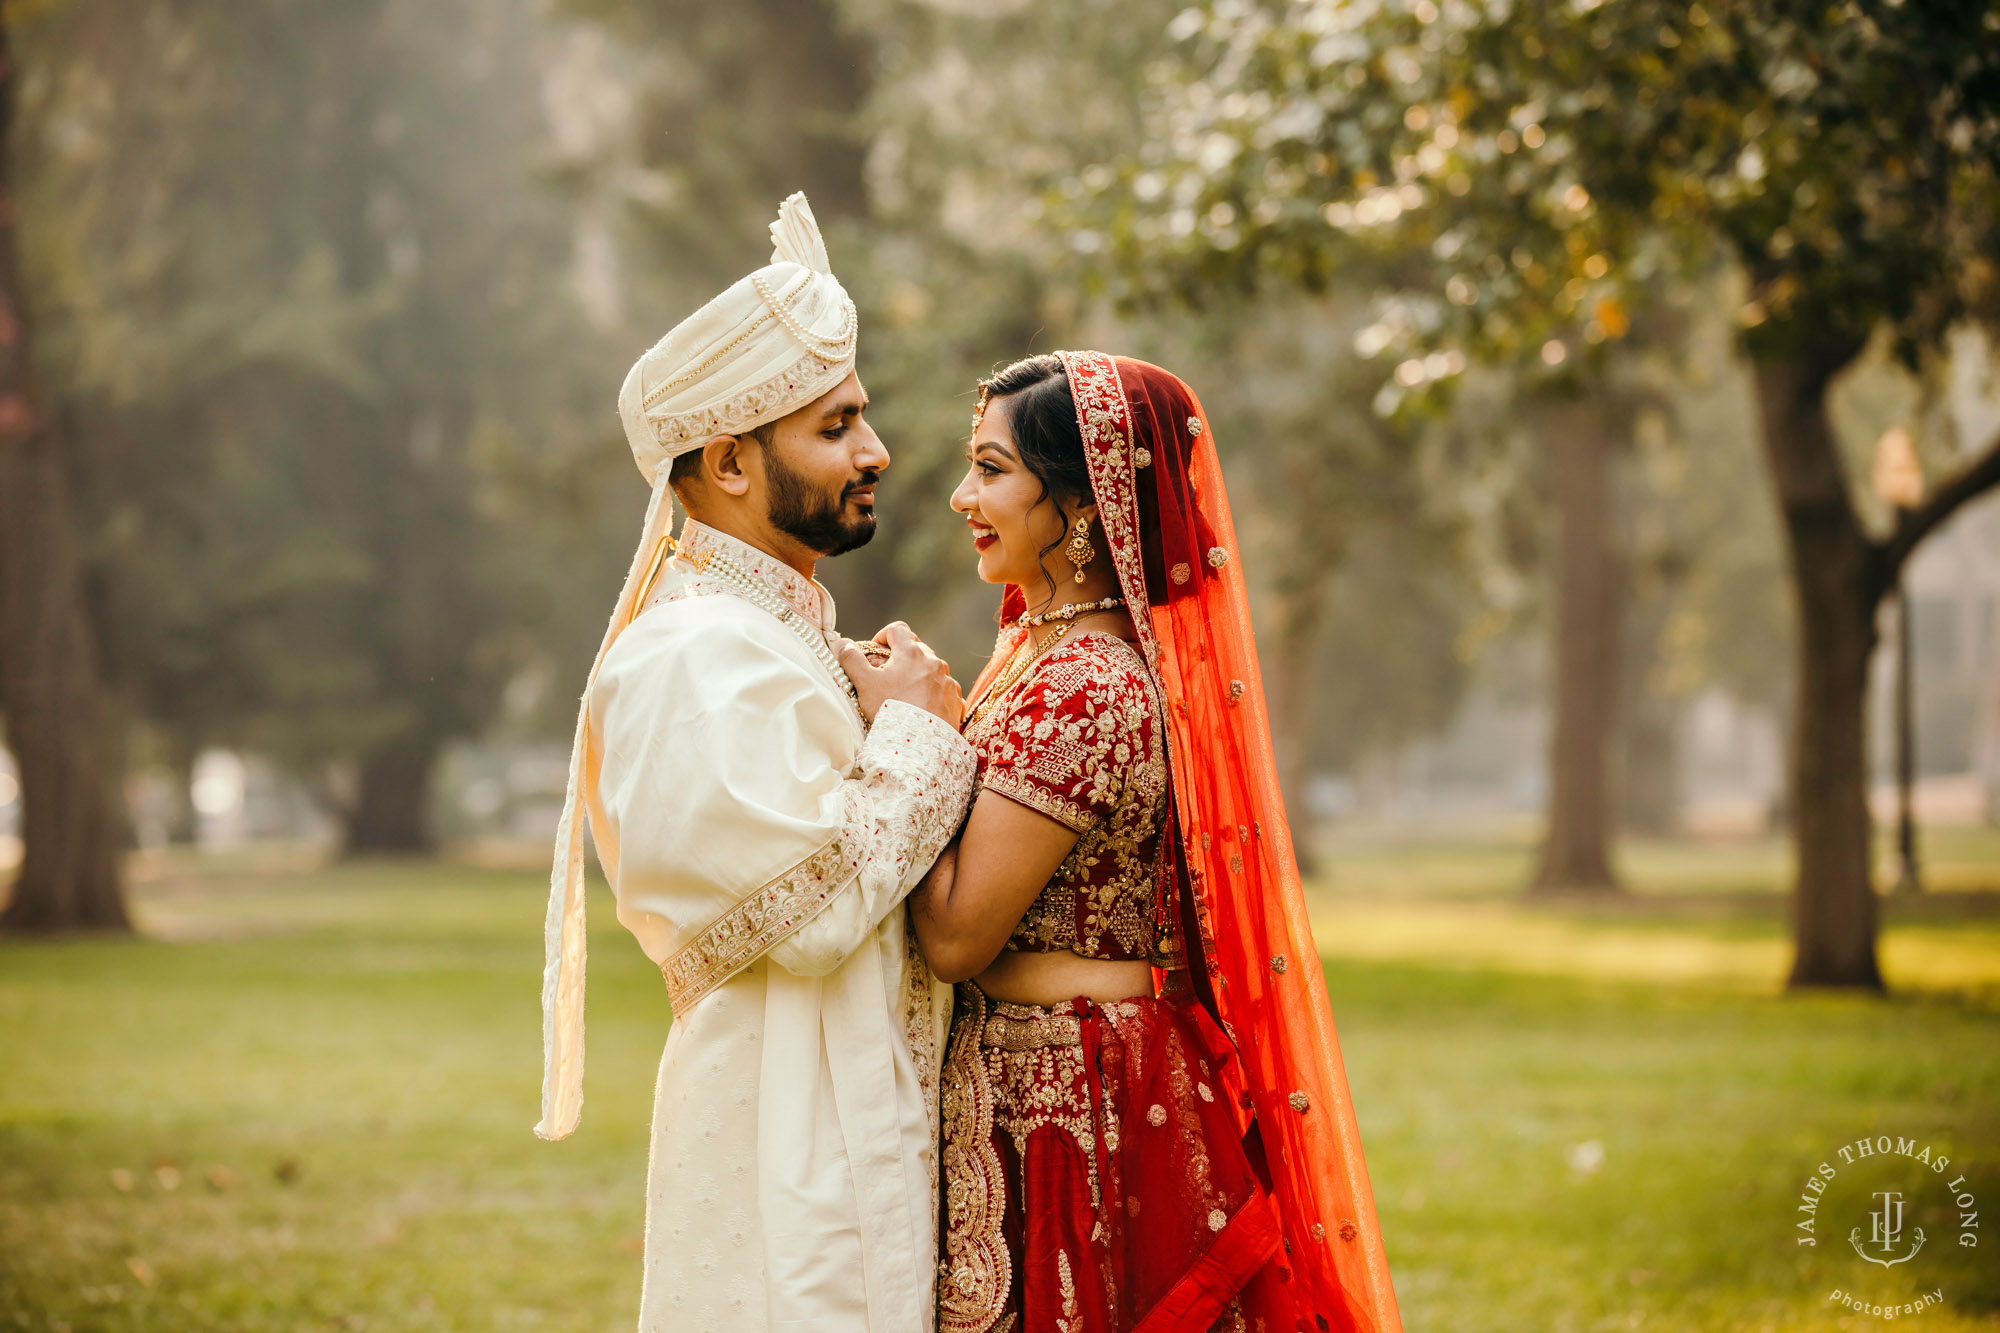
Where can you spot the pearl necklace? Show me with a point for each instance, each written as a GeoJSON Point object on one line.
{"type": "Point", "coordinates": [1071, 610]}
{"type": "Point", "coordinates": [759, 594]}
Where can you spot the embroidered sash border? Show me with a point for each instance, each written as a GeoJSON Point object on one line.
{"type": "Point", "coordinates": [977, 1271]}
{"type": "Point", "coordinates": [763, 917]}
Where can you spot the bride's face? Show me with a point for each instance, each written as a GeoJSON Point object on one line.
{"type": "Point", "coordinates": [1012, 522]}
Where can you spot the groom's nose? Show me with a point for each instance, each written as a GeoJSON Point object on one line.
{"type": "Point", "coordinates": [872, 455]}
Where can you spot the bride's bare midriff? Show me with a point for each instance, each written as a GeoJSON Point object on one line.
{"type": "Point", "coordinates": [1051, 978]}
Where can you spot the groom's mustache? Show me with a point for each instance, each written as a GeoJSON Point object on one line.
{"type": "Point", "coordinates": [866, 482]}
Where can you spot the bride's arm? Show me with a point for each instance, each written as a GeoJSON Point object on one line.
{"type": "Point", "coordinates": [984, 884]}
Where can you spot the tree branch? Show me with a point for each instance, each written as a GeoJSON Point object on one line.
{"type": "Point", "coordinates": [1980, 475]}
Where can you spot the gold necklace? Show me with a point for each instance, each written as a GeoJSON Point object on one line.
{"type": "Point", "coordinates": [1028, 652]}
{"type": "Point", "coordinates": [980, 707]}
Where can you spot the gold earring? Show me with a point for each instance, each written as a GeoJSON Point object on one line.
{"type": "Point", "coordinates": [1079, 550]}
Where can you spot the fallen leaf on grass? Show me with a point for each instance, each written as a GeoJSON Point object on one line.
{"type": "Point", "coordinates": [122, 1180]}
{"type": "Point", "coordinates": [141, 1270]}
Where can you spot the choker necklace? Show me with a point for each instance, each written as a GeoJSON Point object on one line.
{"type": "Point", "coordinates": [1071, 610]}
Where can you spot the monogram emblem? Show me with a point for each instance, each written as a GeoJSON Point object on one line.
{"type": "Point", "coordinates": [1885, 1229]}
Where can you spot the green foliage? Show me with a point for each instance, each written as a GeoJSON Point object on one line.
{"type": "Point", "coordinates": [305, 311]}
{"type": "Point", "coordinates": [1524, 173]}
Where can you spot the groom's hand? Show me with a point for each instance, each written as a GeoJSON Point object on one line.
{"type": "Point", "coordinates": [911, 673]}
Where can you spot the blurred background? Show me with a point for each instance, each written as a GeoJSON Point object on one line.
{"type": "Point", "coordinates": [1609, 392]}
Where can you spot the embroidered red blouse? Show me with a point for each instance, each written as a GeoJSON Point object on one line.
{"type": "Point", "coordinates": [1080, 739]}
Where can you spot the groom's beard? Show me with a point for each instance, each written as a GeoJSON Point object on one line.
{"type": "Point", "coordinates": [814, 519]}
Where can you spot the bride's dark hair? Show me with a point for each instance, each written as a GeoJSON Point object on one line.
{"type": "Point", "coordinates": [1041, 416]}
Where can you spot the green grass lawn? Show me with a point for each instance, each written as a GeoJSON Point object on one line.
{"type": "Point", "coordinates": [304, 1103]}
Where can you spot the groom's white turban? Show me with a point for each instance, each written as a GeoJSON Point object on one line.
{"type": "Point", "coordinates": [769, 345]}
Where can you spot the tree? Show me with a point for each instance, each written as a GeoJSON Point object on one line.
{"type": "Point", "coordinates": [1604, 629]}
{"type": "Point", "coordinates": [312, 319]}
{"type": "Point", "coordinates": [69, 877]}
{"type": "Point", "coordinates": [1580, 446]}
{"type": "Point", "coordinates": [1547, 160]}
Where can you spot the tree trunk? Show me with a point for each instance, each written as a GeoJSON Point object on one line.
{"type": "Point", "coordinates": [1587, 632]}
{"type": "Point", "coordinates": [1834, 573]}
{"type": "Point", "coordinates": [391, 811]}
{"type": "Point", "coordinates": [1649, 742]}
{"type": "Point", "coordinates": [69, 876]}
{"type": "Point", "coordinates": [1909, 878]}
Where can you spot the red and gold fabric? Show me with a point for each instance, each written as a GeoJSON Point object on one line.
{"type": "Point", "coordinates": [1227, 866]}
{"type": "Point", "coordinates": [1081, 740]}
{"type": "Point", "coordinates": [1096, 1181]}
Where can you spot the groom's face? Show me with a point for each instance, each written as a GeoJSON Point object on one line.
{"type": "Point", "coordinates": [820, 467]}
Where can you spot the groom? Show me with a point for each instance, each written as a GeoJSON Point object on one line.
{"type": "Point", "coordinates": [762, 797]}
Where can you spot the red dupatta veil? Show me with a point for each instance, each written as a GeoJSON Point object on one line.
{"type": "Point", "coordinates": [1251, 958]}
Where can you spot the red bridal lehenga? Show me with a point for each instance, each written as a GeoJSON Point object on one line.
{"type": "Point", "coordinates": [1187, 1162]}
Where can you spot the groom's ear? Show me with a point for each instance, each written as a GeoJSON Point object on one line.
{"type": "Point", "coordinates": [722, 465]}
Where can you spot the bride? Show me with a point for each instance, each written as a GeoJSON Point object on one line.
{"type": "Point", "coordinates": [1147, 1122]}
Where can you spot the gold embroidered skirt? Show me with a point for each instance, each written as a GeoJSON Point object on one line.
{"type": "Point", "coordinates": [1095, 1174]}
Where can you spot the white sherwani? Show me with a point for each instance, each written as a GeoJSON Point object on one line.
{"type": "Point", "coordinates": [765, 843]}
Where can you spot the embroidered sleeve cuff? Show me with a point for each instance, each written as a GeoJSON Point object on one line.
{"type": "Point", "coordinates": [902, 726]}
{"type": "Point", "coordinates": [760, 919]}
{"type": "Point", "coordinates": [1039, 799]}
